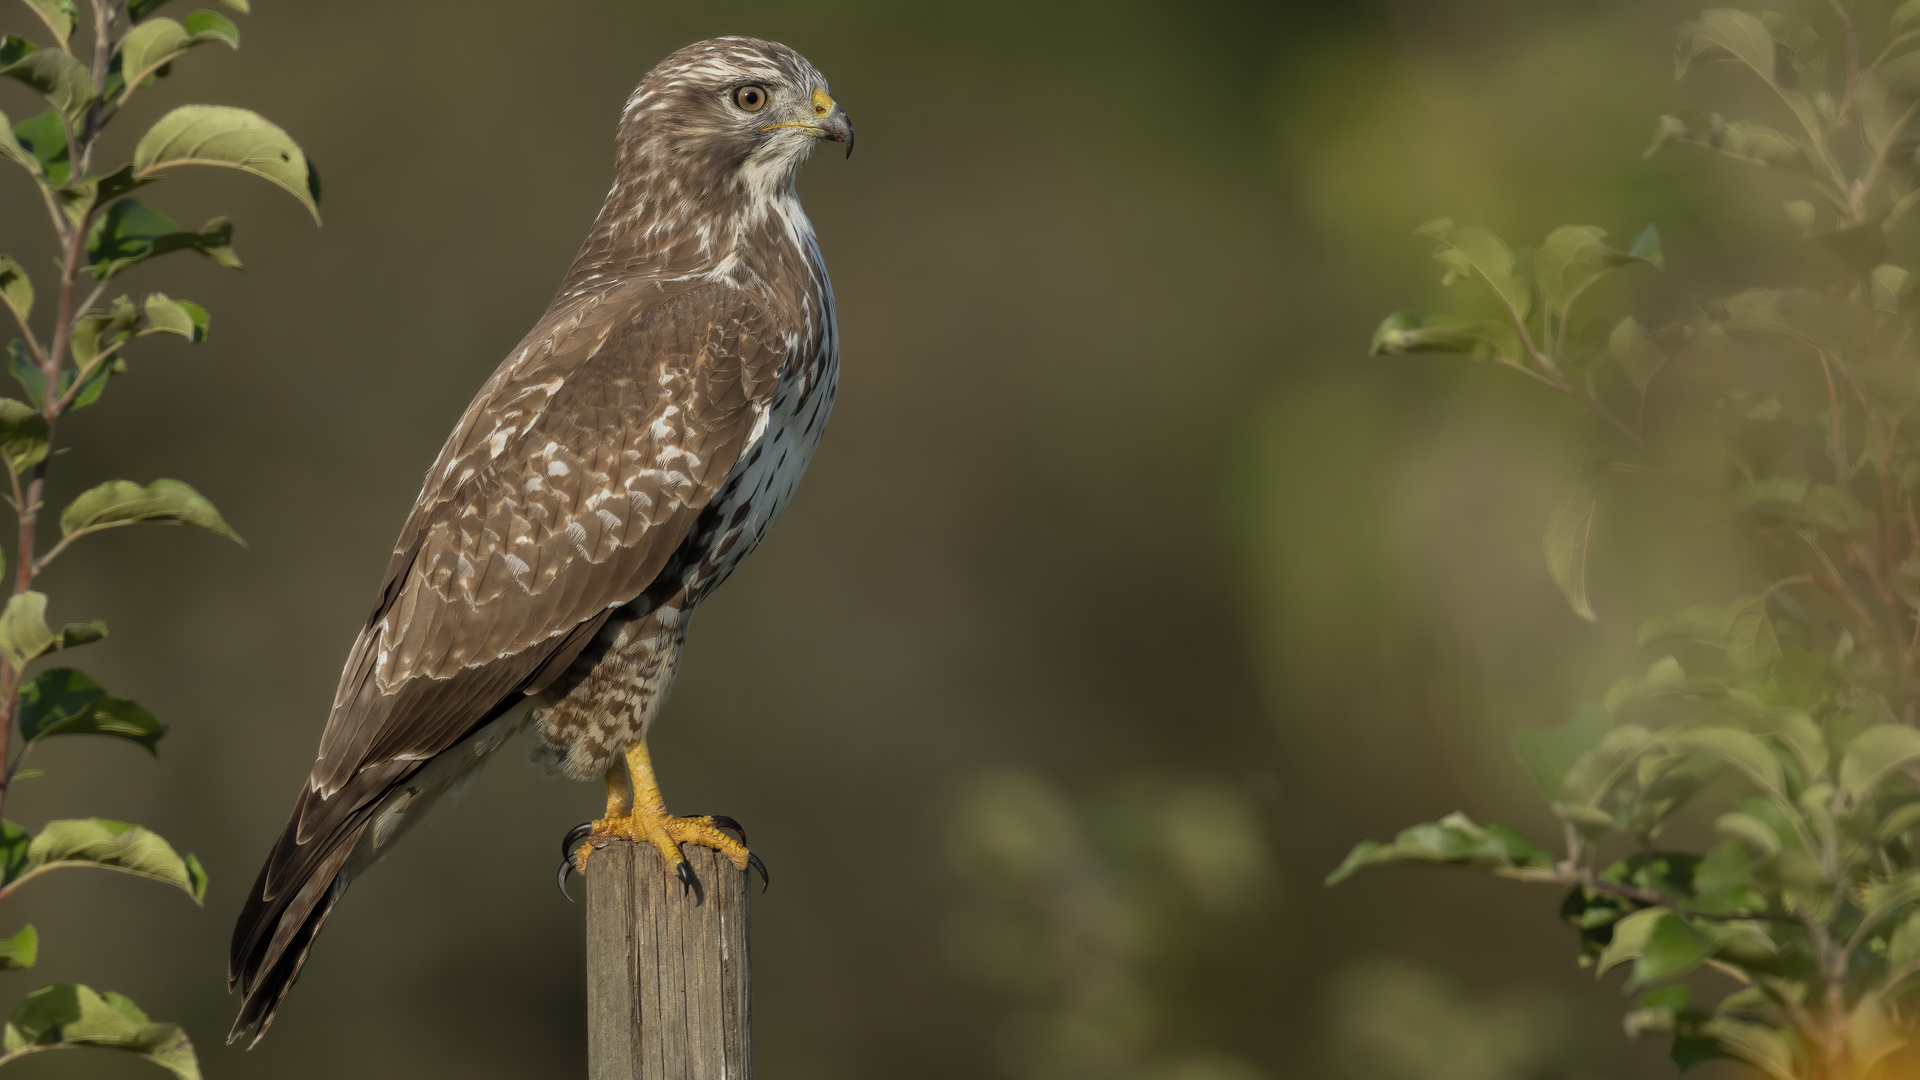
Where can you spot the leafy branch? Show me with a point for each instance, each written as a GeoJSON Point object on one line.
{"type": "Point", "coordinates": [1794, 706]}
{"type": "Point", "coordinates": [101, 232]}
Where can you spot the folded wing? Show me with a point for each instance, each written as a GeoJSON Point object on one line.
{"type": "Point", "coordinates": [574, 475]}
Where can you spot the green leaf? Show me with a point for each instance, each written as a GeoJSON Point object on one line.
{"type": "Point", "coordinates": [1658, 1011]}
{"type": "Point", "coordinates": [1903, 946]}
{"type": "Point", "coordinates": [20, 951]}
{"type": "Point", "coordinates": [12, 150]}
{"type": "Point", "coordinates": [153, 44]}
{"type": "Point", "coordinates": [44, 138]}
{"type": "Point", "coordinates": [1756, 1044]}
{"type": "Point", "coordinates": [23, 435]}
{"type": "Point", "coordinates": [1880, 899]}
{"type": "Point", "coordinates": [1743, 138]}
{"type": "Point", "coordinates": [16, 288]}
{"type": "Point", "coordinates": [1453, 839]}
{"type": "Point", "coordinates": [62, 80]}
{"type": "Point", "coordinates": [14, 842]}
{"type": "Point", "coordinates": [140, 9]}
{"type": "Point", "coordinates": [24, 633]}
{"type": "Point", "coordinates": [1735, 33]}
{"type": "Point", "coordinates": [1568, 532]}
{"type": "Point", "coordinates": [1751, 641]}
{"type": "Point", "coordinates": [1639, 358]}
{"type": "Point", "coordinates": [1737, 748]}
{"type": "Point", "coordinates": [59, 15]}
{"type": "Point", "coordinates": [1630, 935]}
{"type": "Point", "coordinates": [1742, 628]}
{"type": "Point", "coordinates": [115, 845]}
{"type": "Point", "coordinates": [63, 701]}
{"type": "Point", "coordinates": [1575, 256]}
{"type": "Point", "coordinates": [1886, 898]}
{"type": "Point", "coordinates": [78, 200]}
{"type": "Point", "coordinates": [1750, 831]}
{"type": "Point", "coordinates": [1799, 733]}
{"type": "Point", "coordinates": [25, 371]}
{"type": "Point", "coordinates": [1795, 316]}
{"type": "Point", "coordinates": [234, 138]}
{"type": "Point", "coordinates": [1897, 822]}
{"type": "Point", "coordinates": [1549, 753]}
{"type": "Point", "coordinates": [97, 331]}
{"type": "Point", "coordinates": [123, 502]}
{"type": "Point", "coordinates": [169, 316]}
{"type": "Point", "coordinates": [1469, 251]}
{"type": "Point", "coordinates": [1672, 948]}
{"type": "Point", "coordinates": [1599, 769]}
{"type": "Point", "coordinates": [1872, 755]}
{"type": "Point", "coordinates": [68, 1015]}
{"type": "Point", "coordinates": [130, 232]}
{"type": "Point", "coordinates": [1400, 334]}
{"type": "Point", "coordinates": [76, 634]}
{"type": "Point", "coordinates": [1663, 677]}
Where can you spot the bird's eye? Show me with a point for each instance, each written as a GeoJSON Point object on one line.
{"type": "Point", "coordinates": [751, 98]}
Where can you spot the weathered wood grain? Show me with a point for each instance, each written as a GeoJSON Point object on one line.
{"type": "Point", "coordinates": [669, 987]}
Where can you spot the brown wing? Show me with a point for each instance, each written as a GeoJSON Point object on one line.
{"type": "Point", "coordinates": [574, 475]}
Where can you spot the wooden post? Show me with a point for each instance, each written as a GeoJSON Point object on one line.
{"type": "Point", "coordinates": [669, 987]}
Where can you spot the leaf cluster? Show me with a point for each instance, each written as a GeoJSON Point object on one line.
{"type": "Point", "coordinates": [1788, 717]}
{"type": "Point", "coordinates": [76, 332]}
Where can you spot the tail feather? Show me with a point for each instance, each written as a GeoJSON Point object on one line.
{"type": "Point", "coordinates": [328, 841]}
{"type": "Point", "coordinates": [291, 900]}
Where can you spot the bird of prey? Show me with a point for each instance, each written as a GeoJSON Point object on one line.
{"type": "Point", "coordinates": [621, 462]}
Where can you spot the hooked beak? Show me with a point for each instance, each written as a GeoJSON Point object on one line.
{"type": "Point", "coordinates": [837, 126]}
{"type": "Point", "coordinates": [830, 121]}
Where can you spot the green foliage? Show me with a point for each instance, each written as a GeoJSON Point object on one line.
{"type": "Point", "coordinates": [122, 502]}
{"type": "Point", "coordinates": [1785, 717]}
{"type": "Point", "coordinates": [67, 1015]}
{"type": "Point", "coordinates": [63, 701]}
{"type": "Point", "coordinates": [102, 234]}
{"type": "Point", "coordinates": [112, 845]}
{"type": "Point", "coordinates": [232, 138]}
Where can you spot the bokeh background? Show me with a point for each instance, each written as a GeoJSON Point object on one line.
{"type": "Point", "coordinates": [1125, 594]}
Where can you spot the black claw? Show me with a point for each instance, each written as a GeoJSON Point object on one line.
{"type": "Point", "coordinates": [575, 837]}
{"type": "Point", "coordinates": [726, 822]}
{"type": "Point", "coordinates": [754, 861]}
{"type": "Point", "coordinates": [568, 845]}
{"type": "Point", "coordinates": [687, 880]}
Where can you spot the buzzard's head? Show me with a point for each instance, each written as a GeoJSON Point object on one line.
{"type": "Point", "coordinates": [732, 111]}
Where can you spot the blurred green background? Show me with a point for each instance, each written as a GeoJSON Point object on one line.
{"type": "Point", "coordinates": [1124, 596]}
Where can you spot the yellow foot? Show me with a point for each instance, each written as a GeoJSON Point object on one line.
{"type": "Point", "coordinates": [636, 812]}
{"type": "Point", "coordinates": [665, 833]}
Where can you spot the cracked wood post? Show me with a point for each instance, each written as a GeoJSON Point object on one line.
{"type": "Point", "coordinates": [669, 987]}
